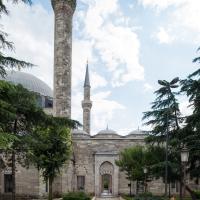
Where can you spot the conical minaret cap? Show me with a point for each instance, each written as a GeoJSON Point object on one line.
{"type": "Point", "coordinates": [87, 78]}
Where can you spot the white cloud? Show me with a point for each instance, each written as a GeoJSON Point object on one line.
{"type": "Point", "coordinates": [121, 55]}
{"type": "Point", "coordinates": [103, 110]}
{"type": "Point", "coordinates": [162, 4]}
{"type": "Point", "coordinates": [148, 87]}
{"type": "Point", "coordinates": [183, 20]}
{"type": "Point", "coordinates": [184, 108]}
{"type": "Point", "coordinates": [97, 81]}
{"type": "Point", "coordinates": [163, 36]}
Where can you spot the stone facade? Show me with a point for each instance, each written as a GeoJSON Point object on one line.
{"type": "Point", "coordinates": [63, 10]}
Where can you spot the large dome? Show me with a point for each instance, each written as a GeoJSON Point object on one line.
{"type": "Point", "coordinates": [30, 82]}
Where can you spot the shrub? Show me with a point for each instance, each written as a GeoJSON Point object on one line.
{"type": "Point", "coordinates": [197, 193]}
{"type": "Point", "coordinates": [147, 196]}
{"type": "Point", "coordinates": [76, 196]}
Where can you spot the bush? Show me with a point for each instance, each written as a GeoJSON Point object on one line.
{"type": "Point", "coordinates": [147, 196]}
{"type": "Point", "coordinates": [76, 196]}
{"type": "Point", "coordinates": [197, 193]}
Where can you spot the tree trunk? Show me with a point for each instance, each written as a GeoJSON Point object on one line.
{"type": "Point", "coordinates": [13, 176]}
{"type": "Point", "coordinates": [169, 190]}
{"type": "Point", "coordinates": [50, 188]}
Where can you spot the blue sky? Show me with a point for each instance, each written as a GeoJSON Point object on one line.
{"type": "Point", "coordinates": [130, 44]}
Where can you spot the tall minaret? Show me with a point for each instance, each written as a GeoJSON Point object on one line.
{"type": "Point", "coordinates": [63, 10]}
{"type": "Point", "coordinates": [86, 103]}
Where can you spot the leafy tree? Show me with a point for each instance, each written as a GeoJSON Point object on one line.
{"type": "Point", "coordinates": [7, 62]}
{"type": "Point", "coordinates": [132, 161]}
{"type": "Point", "coordinates": [19, 114]}
{"type": "Point", "coordinates": [50, 147]}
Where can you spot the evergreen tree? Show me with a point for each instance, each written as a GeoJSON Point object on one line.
{"type": "Point", "coordinates": [7, 62]}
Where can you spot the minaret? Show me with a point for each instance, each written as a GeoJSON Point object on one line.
{"type": "Point", "coordinates": [63, 10]}
{"type": "Point", "coordinates": [86, 103]}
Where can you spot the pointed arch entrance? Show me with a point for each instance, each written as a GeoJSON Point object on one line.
{"type": "Point", "coordinates": [106, 172]}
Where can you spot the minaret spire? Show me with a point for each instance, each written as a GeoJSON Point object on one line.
{"type": "Point", "coordinates": [86, 103]}
{"type": "Point", "coordinates": [87, 78]}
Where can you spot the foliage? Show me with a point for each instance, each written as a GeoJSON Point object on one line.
{"type": "Point", "coordinates": [197, 193]}
{"type": "Point", "coordinates": [164, 115]}
{"type": "Point", "coordinates": [76, 196]}
{"type": "Point", "coordinates": [132, 161]}
{"type": "Point", "coordinates": [50, 146]}
{"type": "Point", "coordinates": [7, 62]}
{"type": "Point", "coordinates": [191, 132]}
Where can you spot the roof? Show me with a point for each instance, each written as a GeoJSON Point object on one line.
{"type": "Point", "coordinates": [107, 131]}
{"type": "Point", "coordinates": [30, 82]}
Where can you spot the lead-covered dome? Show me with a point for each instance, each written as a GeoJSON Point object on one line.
{"type": "Point", "coordinates": [30, 82]}
{"type": "Point", "coordinates": [107, 131]}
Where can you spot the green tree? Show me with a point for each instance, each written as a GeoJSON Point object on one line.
{"type": "Point", "coordinates": [7, 62]}
{"type": "Point", "coordinates": [165, 118]}
{"type": "Point", "coordinates": [132, 161]}
{"type": "Point", "coordinates": [19, 114]}
{"type": "Point", "coordinates": [50, 147]}
{"type": "Point", "coordinates": [191, 132]}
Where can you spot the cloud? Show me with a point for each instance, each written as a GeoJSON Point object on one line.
{"type": "Point", "coordinates": [163, 36]}
{"type": "Point", "coordinates": [121, 56]}
{"type": "Point", "coordinates": [183, 19]}
{"type": "Point", "coordinates": [103, 110]}
{"type": "Point", "coordinates": [148, 87]}
{"type": "Point", "coordinates": [184, 108]}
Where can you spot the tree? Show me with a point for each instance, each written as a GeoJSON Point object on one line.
{"type": "Point", "coordinates": [191, 132]}
{"type": "Point", "coordinates": [19, 114]}
{"type": "Point", "coordinates": [7, 62]}
{"type": "Point", "coordinates": [132, 162]}
{"type": "Point", "coordinates": [165, 118]}
{"type": "Point", "coordinates": [50, 147]}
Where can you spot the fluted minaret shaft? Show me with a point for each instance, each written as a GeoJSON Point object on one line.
{"type": "Point", "coordinates": [86, 103]}
{"type": "Point", "coordinates": [63, 10]}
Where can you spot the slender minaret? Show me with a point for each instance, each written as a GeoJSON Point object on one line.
{"type": "Point", "coordinates": [86, 103]}
{"type": "Point", "coordinates": [63, 10]}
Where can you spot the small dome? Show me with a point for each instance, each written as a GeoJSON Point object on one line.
{"type": "Point", "coordinates": [30, 82]}
{"type": "Point", "coordinates": [107, 131]}
{"type": "Point", "coordinates": [78, 131]}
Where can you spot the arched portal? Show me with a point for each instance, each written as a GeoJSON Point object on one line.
{"type": "Point", "coordinates": [106, 184]}
{"type": "Point", "coordinates": [106, 172]}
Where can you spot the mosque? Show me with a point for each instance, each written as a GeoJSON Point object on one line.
{"type": "Point", "coordinates": [92, 168]}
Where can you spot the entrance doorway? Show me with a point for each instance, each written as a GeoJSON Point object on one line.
{"type": "Point", "coordinates": [106, 184]}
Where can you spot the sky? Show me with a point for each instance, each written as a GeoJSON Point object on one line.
{"type": "Point", "coordinates": [129, 44]}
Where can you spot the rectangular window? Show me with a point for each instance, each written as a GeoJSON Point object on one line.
{"type": "Point", "coordinates": [8, 183]}
{"type": "Point", "coordinates": [81, 183]}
